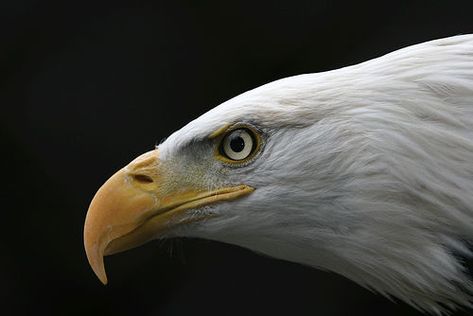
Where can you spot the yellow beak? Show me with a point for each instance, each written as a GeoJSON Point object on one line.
{"type": "Point", "coordinates": [140, 202]}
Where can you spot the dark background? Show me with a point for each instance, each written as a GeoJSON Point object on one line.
{"type": "Point", "coordinates": [87, 86]}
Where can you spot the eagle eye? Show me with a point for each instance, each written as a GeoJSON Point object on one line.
{"type": "Point", "coordinates": [238, 145]}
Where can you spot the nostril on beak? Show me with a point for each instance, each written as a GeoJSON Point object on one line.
{"type": "Point", "coordinates": [141, 178]}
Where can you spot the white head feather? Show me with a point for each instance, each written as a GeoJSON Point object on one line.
{"type": "Point", "coordinates": [366, 171]}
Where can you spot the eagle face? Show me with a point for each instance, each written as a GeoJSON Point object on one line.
{"type": "Point", "coordinates": [365, 171]}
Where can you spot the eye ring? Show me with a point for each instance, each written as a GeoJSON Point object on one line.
{"type": "Point", "coordinates": [239, 145]}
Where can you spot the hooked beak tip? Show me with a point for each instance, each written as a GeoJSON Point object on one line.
{"type": "Point", "coordinates": [95, 258]}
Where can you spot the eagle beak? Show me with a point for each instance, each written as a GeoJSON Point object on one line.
{"type": "Point", "coordinates": [140, 202]}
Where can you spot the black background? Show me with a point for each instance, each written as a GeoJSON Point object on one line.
{"type": "Point", "coordinates": [87, 86]}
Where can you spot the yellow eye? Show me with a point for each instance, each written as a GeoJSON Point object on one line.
{"type": "Point", "coordinates": [238, 145]}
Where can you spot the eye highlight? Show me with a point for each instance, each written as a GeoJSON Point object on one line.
{"type": "Point", "coordinates": [238, 145]}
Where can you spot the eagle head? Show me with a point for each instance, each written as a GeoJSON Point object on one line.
{"type": "Point", "coordinates": [366, 171]}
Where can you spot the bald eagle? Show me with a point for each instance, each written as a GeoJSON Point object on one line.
{"type": "Point", "coordinates": [366, 171]}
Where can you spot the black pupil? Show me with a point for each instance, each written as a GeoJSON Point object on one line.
{"type": "Point", "coordinates": [237, 143]}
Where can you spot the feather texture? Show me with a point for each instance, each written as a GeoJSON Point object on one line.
{"type": "Point", "coordinates": [366, 171]}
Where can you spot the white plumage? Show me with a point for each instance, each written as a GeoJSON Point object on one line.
{"type": "Point", "coordinates": [366, 171]}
